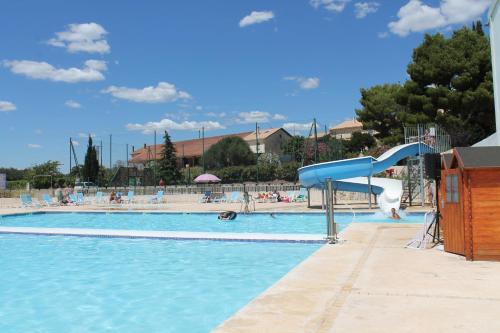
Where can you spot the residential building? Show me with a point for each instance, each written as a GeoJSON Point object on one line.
{"type": "Point", "coordinates": [345, 129]}
{"type": "Point", "coordinates": [270, 140]}
{"type": "Point", "coordinates": [188, 152]}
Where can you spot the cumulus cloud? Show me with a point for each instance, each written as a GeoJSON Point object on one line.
{"type": "Point", "coordinates": [256, 17]}
{"type": "Point", "coordinates": [168, 124]}
{"type": "Point", "coordinates": [298, 127]}
{"type": "Point", "coordinates": [85, 37]}
{"type": "Point", "coordinates": [163, 92]}
{"type": "Point", "coordinates": [416, 16]}
{"type": "Point", "coordinates": [34, 145]}
{"type": "Point", "coordinates": [336, 6]}
{"type": "Point", "coordinates": [72, 104]}
{"type": "Point", "coordinates": [253, 117]}
{"type": "Point", "coordinates": [306, 83]}
{"type": "Point", "coordinates": [92, 71]}
{"type": "Point", "coordinates": [6, 106]}
{"type": "Point", "coordinates": [86, 135]}
{"type": "Point", "coordinates": [278, 116]}
{"type": "Point", "coordinates": [75, 143]}
{"type": "Point", "coordinates": [362, 9]}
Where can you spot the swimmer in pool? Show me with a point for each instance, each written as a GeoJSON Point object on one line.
{"type": "Point", "coordinates": [394, 214]}
{"type": "Point", "coordinates": [226, 216]}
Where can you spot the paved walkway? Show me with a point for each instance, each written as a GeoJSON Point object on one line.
{"type": "Point", "coordinates": [371, 283]}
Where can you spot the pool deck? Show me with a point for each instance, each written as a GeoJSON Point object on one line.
{"type": "Point", "coordinates": [371, 283]}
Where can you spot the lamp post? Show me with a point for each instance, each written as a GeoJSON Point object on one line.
{"type": "Point", "coordinates": [189, 174]}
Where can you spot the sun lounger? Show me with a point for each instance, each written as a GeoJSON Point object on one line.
{"type": "Point", "coordinates": [206, 197]}
{"type": "Point", "coordinates": [302, 196]}
{"type": "Point", "coordinates": [28, 202]}
{"type": "Point", "coordinates": [234, 197]}
{"type": "Point", "coordinates": [98, 199]}
{"type": "Point", "coordinates": [48, 201]}
{"type": "Point", "coordinates": [158, 198]}
{"type": "Point", "coordinates": [129, 198]}
{"type": "Point", "coordinates": [220, 198]}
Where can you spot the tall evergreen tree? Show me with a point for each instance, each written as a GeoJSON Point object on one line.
{"type": "Point", "coordinates": [168, 168]}
{"type": "Point", "coordinates": [91, 164]}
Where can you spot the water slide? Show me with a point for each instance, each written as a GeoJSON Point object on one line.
{"type": "Point", "coordinates": [352, 174]}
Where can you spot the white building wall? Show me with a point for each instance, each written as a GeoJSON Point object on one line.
{"type": "Point", "coordinates": [495, 58]}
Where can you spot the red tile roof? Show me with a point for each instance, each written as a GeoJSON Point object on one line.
{"type": "Point", "coordinates": [186, 148]}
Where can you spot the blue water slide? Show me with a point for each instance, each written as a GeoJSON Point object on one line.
{"type": "Point", "coordinates": [340, 171]}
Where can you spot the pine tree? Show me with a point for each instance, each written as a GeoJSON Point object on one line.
{"type": "Point", "coordinates": [169, 170]}
{"type": "Point", "coordinates": [479, 28]}
{"type": "Point", "coordinates": [91, 165]}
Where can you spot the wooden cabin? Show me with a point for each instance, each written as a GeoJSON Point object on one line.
{"type": "Point", "coordinates": [470, 202]}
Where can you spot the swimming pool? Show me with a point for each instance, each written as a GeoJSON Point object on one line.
{"type": "Point", "coordinates": [75, 284]}
{"type": "Point", "coordinates": [253, 223]}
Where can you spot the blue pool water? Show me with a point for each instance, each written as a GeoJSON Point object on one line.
{"type": "Point", "coordinates": [254, 223]}
{"type": "Point", "coordinates": [76, 284]}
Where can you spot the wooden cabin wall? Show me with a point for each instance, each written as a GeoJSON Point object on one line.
{"type": "Point", "coordinates": [482, 216]}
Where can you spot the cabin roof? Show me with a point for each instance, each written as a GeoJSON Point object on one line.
{"type": "Point", "coordinates": [478, 157]}
{"type": "Point", "coordinates": [447, 159]}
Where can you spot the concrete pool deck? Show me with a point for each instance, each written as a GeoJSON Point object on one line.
{"type": "Point", "coordinates": [371, 283]}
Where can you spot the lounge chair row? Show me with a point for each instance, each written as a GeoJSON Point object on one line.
{"type": "Point", "coordinates": [237, 197]}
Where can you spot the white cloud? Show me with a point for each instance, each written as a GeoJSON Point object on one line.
{"type": "Point", "coordinates": [297, 127]}
{"type": "Point", "coordinates": [362, 9]}
{"type": "Point", "coordinates": [256, 17]}
{"type": "Point", "coordinates": [7, 106]}
{"type": "Point", "coordinates": [85, 37]}
{"type": "Point", "coordinates": [253, 117]}
{"type": "Point", "coordinates": [384, 34]}
{"type": "Point", "coordinates": [330, 5]}
{"type": "Point", "coordinates": [92, 71]}
{"type": "Point", "coordinates": [278, 116]}
{"type": "Point", "coordinates": [168, 124]}
{"type": "Point", "coordinates": [199, 108]}
{"type": "Point", "coordinates": [72, 104]}
{"type": "Point", "coordinates": [416, 16]}
{"type": "Point", "coordinates": [86, 135]}
{"type": "Point", "coordinates": [38, 132]}
{"type": "Point", "coordinates": [306, 83]}
{"type": "Point", "coordinates": [75, 143]}
{"type": "Point", "coordinates": [163, 92]}
{"type": "Point", "coordinates": [34, 145]}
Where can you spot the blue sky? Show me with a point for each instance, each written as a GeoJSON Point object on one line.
{"type": "Point", "coordinates": [128, 67]}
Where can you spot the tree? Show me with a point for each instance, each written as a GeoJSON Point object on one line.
{"type": "Point", "coordinates": [359, 141]}
{"type": "Point", "coordinates": [168, 168]}
{"type": "Point", "coordinates": [381, 112]}
{"type": "Point", "coordinates": [230, 151]}
{"type": "Point", "coordinates": [39, 174]}
{"type": "Point", "coordinates": [295, 147]}
{"type": "Point", "coordinates": [451, 84]}
{"type": "Point", "coordinates": [91, 165]}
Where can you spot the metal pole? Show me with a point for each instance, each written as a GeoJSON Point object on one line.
{"type": "Point", "coordinates": [315, 142]}
{"type": "Point", "coordinates": [421, 165]}
{"type": "Point", "coordinates": [110, 151]}
{"type": "Point", "coordinates": [257, 149]}
{"type": "Point", "coordinates": [70, 155]}
{"type": "Point", "coordinates": [154, 160]}
{"type": "Point", "coordinates": [308, 198]}
{"type": "Point", "coordinates": [128, 175]}
{"type": "Point", "coordinates": [332, 228]}
{"type": "Point", "coordinates": [203, 146]}
{"type": "Point", "coordinates": [323, 198]}
{"type": "Point", "coordinates": [369, 192]}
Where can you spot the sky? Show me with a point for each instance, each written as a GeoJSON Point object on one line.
{"type": "Point", "coordinates": [127, 68]}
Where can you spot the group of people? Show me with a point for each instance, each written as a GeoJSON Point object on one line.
{"type": "Point", "coordinates": [115, 197]}
{"type": "Point", "coordinates": [274, 196]}
{"type": "Point", "coordinates": [63, 195]}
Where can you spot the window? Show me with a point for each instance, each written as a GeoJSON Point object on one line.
{"type": "Point", "coordinates": [452, 188]}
